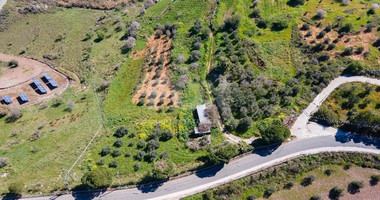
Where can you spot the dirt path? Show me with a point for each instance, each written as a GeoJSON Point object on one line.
{"type": "Point", "coordinates": [19, 80]}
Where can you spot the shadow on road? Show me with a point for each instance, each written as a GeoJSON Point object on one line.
{"type": "Point", "coordinates": [209, 172]}
{"type": "Point", "coordinates": [344, 137]}
{"type": "Point", "coordinates": [150, 187]}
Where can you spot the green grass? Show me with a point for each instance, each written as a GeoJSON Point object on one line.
{"type": "Point", "coordinates": [63, 138]}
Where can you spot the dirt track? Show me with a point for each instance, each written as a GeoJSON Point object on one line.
{"type": "Point", "coordinates": [19, 80]}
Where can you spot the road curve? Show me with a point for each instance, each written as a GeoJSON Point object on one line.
{"type": "Point", "coordinates": [2, 3]}
{"type": "Point", "coordinates": [236, 169]}
{"type": "Point", "coordinates": [300, 129]}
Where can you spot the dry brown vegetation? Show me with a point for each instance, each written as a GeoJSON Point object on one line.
{"type": "Point", "coordinates": [156, 89]}
{"type": "Point", "coordinates": [362, 39]}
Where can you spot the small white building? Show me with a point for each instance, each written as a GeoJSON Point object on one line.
{"type": "Point", "coordinates": [203, 122]}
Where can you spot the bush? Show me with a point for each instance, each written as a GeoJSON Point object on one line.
{"type": "Point", "coordinates": [35, 135]}
{"type": "Point", "coordinates": [255, 13]}
{"type": "Point", "coordinates": [121, 132]}
{"type": "Point", "coordinates": [331, 46]}
{"type": "Point", "coordinates": [113, 164]}
{"type": "Point", "coordinates": [162, 170]}
{"type": "Point", "coordinates": [3, 162]}
{"type": "Point", "coordinates": [194, 66]}
{"type": "Point", "coordinates": [346, 28]}
{"type": "Point", "coordinates": [324, 57]}
{"type": "Point", "coordinates": [152, 145]}
{"type": "Point", "coordinates": [348, 51]}
{"type": "Point", "coordinates": [116, 153]}
{"type": "Point", "coordinates": [305, 27]}
{"type": "Point", "coordinates": [16, 188]}
{"type": "Point", "coordinates": [346, 2]}
{"type": "Point", "coordinates": [321, 14]}
{"type": "Point", "coordinates": [374, 179]}
{"type": "Point", "coordinates": [166, 135]}
{"type": "Point", "coordinates": [316, 197]}
{"type": "Point", "coordinates": [328, 28]}
{"type": "Point", "coordinates": [181, 59]}
{"type": "Point", "coordinates": [328, 172]}
{"type": "Point", "coordinates": [274, 133]}
{"type": "Point", "coordinates": [222, 153]}
{"type": "Point", "coordinates": [335, 192]}
{"type": "Point", "coordinates": [279, 23]}
{"type": "Point", "coordinates": [105, 151]}
{"type": "Point", "coordinates": [14, 114]}
{"type": "Point", "coordinates": [269, 192]}
{"type": "Point", "coordinates": [251, 197]}
{"type": "Point", "coordinates": [354, 68]}
{"type": "Point", "coordinates": [140, 155]}
{"type": "Point", "coordinates": [232, 23]}
{"type": "Point", "coordinates": [129, 43]}
{"type": "Point", "coordinates": [308, 180]}
{"type": "Point", "coordinates": [355, 186]}
{"type": "Point", "coordinates": [151, 156]}
{"type": "Point", "coordinates": [195, 55]}
{"type": "Point", "coordinates": [98, 178]}
{"type": "Point", "coordinates": [321, 34]}
{"type": "Point", "coordinates": [141, 144]}
{"type": "Point", "coordinates": [136, 167]}
{"type": "Point", "coordinates": [70, 106]}
{"type": "Point", "coordinates": [289, 185]}
{"type": "Point", "coordinates": [295, 3]}
{"type": "Point", "coordinates": [164, 155]}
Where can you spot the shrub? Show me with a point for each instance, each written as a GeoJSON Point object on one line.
{"type": "Point", "coordinates": [321, 14]}
{"type": "Point", "coordinates": [136, 167]}
{"type": "Point", "coordinates": [331, 46]}
{"type": "Point", "coordinates": [141, 144]}
{"type": "Point", "coordinates": [359, 50]}
{"type": "Point", "coordinates": [251, 197]}
{"type": "Point", "coordinates": [346, 2]}
{"type": "Point", "coordinates": [355, 186]}
{"type": "Point", "coordinates": [321, 34]}
{"type": "Point", "coordinates": [374, 179]}
{"type": "Point", "coordinates": [280, 22]}
{"type": "Point", "coordinates": [289, 185]}
{"type": "Point", "coordinates": [295, 3]}
{"type": "Point", "coordinates": [348, 51]}
{"type": "Point", "coordinates": [232, 23]}
{"type": "Point", "coordinates": [121, 132]}
{"type": "Point", "coordinates": [261, 22]}
{"type": "Point", "coordinates": [222, 153]}
{"type": "Point", "coordinates": [274, 133]}
{"type": "Point", "coordinates": [118, 143]}
{"type": "Point", "coordinates": [3, 162]}
{"type": "Point", "coordinates": [101, 162]}
{"type": "Point", "coordinates": [164, 155]}
{"type": "Point", "coordinates": [162, 170]}
{"type": "Point", "coordinates": [35, 135]}
{"type": "Point", "coordinates": [328, 28]}
{"type": "Point", "coordinates": [324, 57]}
{"type": "Point", "coordinates": [194, 66]}
{"type": "Point", "coordinates": [128, 154]}
{"type": "Point", "coordinates": [308, 180]}
{"type": "Point", "coordinates": [14, 114]}
{"type": "Point", "coordinates": [97, 178]}
{"type": "Point", "coordinates": [195, 55]}
{"type": "Point", "coordinates": [152, 145]}
{"type": "Point", "coordinates": [70, 106]}
{"type": "Point", "coordinates": [166, 135]}
{"type": "Point", "coordinates": [113, 164]}
{"type": "Point", "coordinates": [151, 156]}
{"type": "Point", "coordinates": [13, 64]}
{"type": "Point", "coordinates": [255, 13]}
{"type": "Point", "coordinates": [141, 102]}
{"type": "Point", "coordinates": [335, 192]}
{"type": "Point", "coordinates": [116, 153]}
{"type": "Point", "coordinates": [16, 188]}
{"type": "Point", "coordinates": [316, 197]}
{"type": "Point", "coordinates": [129, 43]}
{"type": "Point", "coordinates": [269, 192]}
{"type": "Point", "coordinates": [305, 27]}
{"type": "Point", "coordinates": [346, 28]}
{"type": "Point", "coordinates": [148, 4]}
{"type": "Point", "coordinates": [354, 68]}
{"type": "Point", "coordinates": [181, 59]}
{"type": "Point", "coordinates": [328, 172]}
{"type": "Point", "coordinates": [105, 151]}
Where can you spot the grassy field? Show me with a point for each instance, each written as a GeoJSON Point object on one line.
{"type": "Point", "coordinates": [40, 164]}
{"type": "Point", "coordinates": [342, 173]}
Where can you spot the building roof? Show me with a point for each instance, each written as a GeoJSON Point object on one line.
{"type": "Point", "coordinates": [201, 113]}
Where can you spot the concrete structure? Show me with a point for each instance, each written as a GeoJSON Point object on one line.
{"type": "Point", "coordinates": [204, 124]}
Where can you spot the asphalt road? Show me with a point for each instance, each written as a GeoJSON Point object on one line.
{"type": "Point", "coordinates": [239, 168]}
{"type": "Point", "coordinates": [2, 2]}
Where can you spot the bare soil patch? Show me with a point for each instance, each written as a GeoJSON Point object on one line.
{"type": "Point", "coordinates": [94, 4]}
{"type": "Point", "coordinates": [362, 39]}
{"type": "Point", "coordinates": [19, 80]}
{"type": "Point", "coordinates": [156, 89]}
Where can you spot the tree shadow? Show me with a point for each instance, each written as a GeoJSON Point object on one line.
{"type": "Point", "coordinates": [150, 184]}
{"type": "Point", "coordinates": [344, 137]}
{"type": "Point", "coordinates": [262, 149]}
{"type": "Point", "coordinates": [9, 196]}
{"type": "Point", "coordinates": [81, 192]}
{"type": "Point", "coordinates": [209, 171]}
